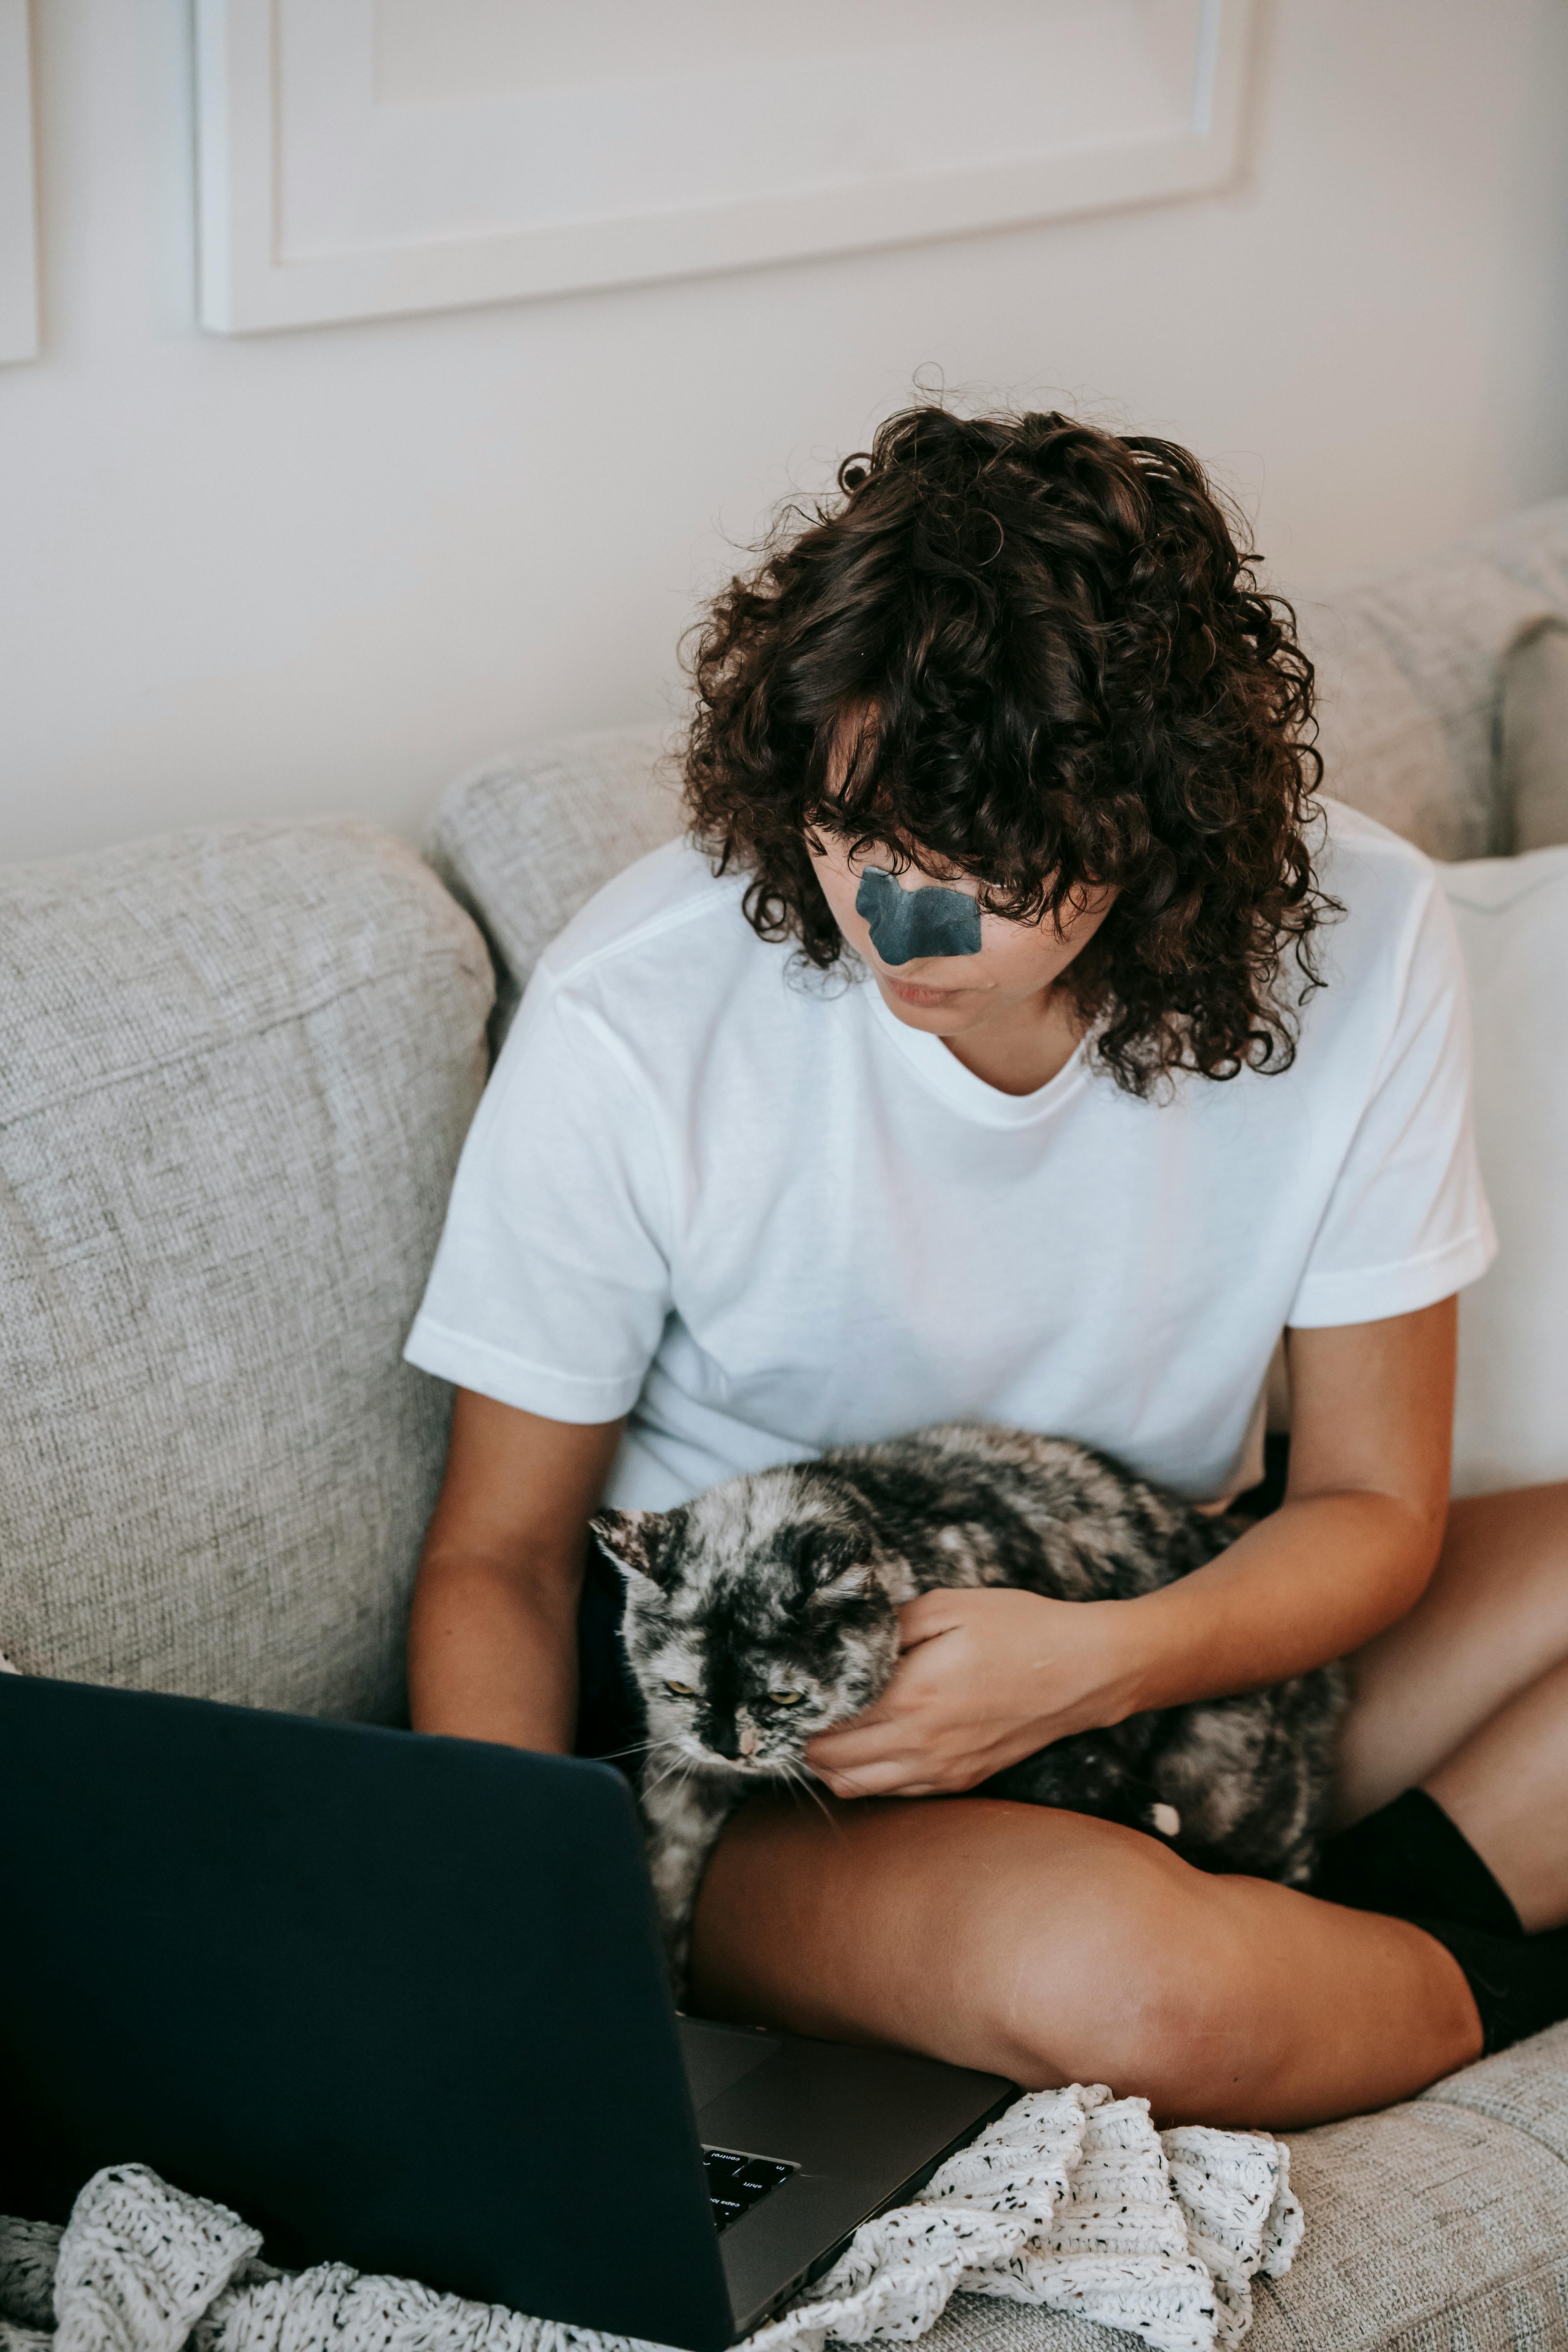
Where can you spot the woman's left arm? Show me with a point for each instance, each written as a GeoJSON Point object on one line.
{"type": "Point", "coordinates": [989, 1676]}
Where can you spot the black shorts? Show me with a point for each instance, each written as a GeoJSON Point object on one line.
{"type": "Point", "coordinates": [610, 1719]}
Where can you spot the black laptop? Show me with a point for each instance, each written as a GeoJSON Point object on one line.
{"type": "Point", "coordinates": [400, 2001]}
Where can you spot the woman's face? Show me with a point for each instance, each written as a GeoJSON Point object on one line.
{"type": "Point", "coordinates": [949, 995]}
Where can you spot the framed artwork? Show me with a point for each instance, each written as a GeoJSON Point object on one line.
{"type": "Point", "coordinates": [358, 158]}
{"type": "Point", "coordinates": [18, 227]}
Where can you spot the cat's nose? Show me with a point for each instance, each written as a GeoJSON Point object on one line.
{"type": "Point", "coordinates": [749, 1740]}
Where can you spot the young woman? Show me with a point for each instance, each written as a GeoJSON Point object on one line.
{"type": "Point", "coordinates": [742, 1186]}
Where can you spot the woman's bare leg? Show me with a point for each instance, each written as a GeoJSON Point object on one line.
{"type": "Point", "coordinates": [1468, 1696]}
{"type": "Point", "coordinates": [1053, 1948]}
{"type": "Point", "coordinates": [1492, 1621]}
{"type": "Point", "coordinates": [1507, 1789]}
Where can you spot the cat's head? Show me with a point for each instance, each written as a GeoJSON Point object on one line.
{"type": "Point", "coordinates": [756, 1616]}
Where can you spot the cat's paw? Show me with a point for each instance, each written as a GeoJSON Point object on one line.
{"type": "Point", "coordinates": [1164, 1821]}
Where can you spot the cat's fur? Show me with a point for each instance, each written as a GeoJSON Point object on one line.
{"type": "Point", "coordinates": [790, 1581]}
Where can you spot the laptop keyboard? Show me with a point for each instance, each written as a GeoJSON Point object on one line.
{"type": "Point", "coordinates": [736, 2183]}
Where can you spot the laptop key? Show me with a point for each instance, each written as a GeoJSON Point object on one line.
{"type": "Point", "coordinates": [736, 2182]}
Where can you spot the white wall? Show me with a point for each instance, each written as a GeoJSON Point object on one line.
{"type": "Point", "coordinates": [325, 569]}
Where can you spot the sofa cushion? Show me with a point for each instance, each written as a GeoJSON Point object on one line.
{"type": "Point", "coordinates": [1441, 2222]}
{"type": "Point", "coordinates": [1532, 749]}
{"type": "Point", "coordinates": [1510, 1425]}
{"type": "Point", "coordinates": [1411, 666]}
{"type": "Point", "coordinates": [523, 844]}
{"type": "Point", "coordinates": [239, 1066]}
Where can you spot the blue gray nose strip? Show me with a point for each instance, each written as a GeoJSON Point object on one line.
{"type": "Point", "coordinates": [929, 922]}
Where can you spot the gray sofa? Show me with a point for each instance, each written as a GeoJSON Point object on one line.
{"type": "Point", "coordinates": [240, 1065]}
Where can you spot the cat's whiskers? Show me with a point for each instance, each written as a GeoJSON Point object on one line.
{"type": "Point", "coordinates": [633, 1748]}
{"type": "Point", "coordinates": [797, 1776]}
{"type": "Point", "coordinates": [680, 1757]}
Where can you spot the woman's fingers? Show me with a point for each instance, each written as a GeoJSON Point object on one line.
{"type": "Point", "coordinates": [870, 1757]}
{"type": "Point", "coordinates": [929, 1614]}
{"type": "Point", "coordinates": [897, 1757]}
{"type": "Point", "coordinates": [899, 1776]}
{"type": "Point", "coordinates": [891, 1729]}
{"type": "Point", "coordinates": [868, 1770]}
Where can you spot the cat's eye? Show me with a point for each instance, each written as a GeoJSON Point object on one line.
{"type": "Point", "coordinates": [785, 1699]}
{"type": "Point", "coordinates": [680, 1690]}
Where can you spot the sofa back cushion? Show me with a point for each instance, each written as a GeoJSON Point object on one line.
{"type": "Point", "coordinates": [1414, 670]}
{"type": "Point", "coordinates": [1511, 1423]}
{"type": "Point", "coordinates": [239, 1066]}
{"type": "Point", "coordinates": [1533, 743]}
{"type": "Point", "coordinates": [523, 844]}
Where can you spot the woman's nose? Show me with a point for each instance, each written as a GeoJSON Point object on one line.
{"type": "Point", "coordinates": [909, 926]}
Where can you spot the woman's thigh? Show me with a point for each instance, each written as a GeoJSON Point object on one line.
{"type": "Point", "coordinates": [1052, 1948]}
{"type": "Point", "coordinates": [1492, 1621]}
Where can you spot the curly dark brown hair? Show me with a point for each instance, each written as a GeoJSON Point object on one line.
{"type": "Point", "coordinates": [1035, 651]}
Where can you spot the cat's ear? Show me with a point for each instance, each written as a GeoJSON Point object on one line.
{"type": "Point", "coordinates": [844, 1583]}
{"type": "Point", "coordinates": [634, 1540]}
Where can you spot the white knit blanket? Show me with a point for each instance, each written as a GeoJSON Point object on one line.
{"type": "Point", "coordinates": [1072, 2201]}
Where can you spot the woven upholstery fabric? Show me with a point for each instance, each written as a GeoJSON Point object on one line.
{"type": "Point", "coordinates": [1412, 668]}
{"type": "Point", "coordinates": [1533, 750]}
{"type": "Point", "coordinates": [239, 1066]}
{"type": "Point", "coordinates": [1440, 2225]}
{"type": "Point", "coordinates": [522, 844]}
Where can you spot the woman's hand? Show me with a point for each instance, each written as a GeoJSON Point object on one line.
{"type": "Point", "coordinates": [985, 1678]}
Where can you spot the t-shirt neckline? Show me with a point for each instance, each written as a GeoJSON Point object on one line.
{"type": "Point", "coordinates": [946, 1075]}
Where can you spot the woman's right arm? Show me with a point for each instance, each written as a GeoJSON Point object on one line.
{"type": "Point", "coordinates": [492, 1634]}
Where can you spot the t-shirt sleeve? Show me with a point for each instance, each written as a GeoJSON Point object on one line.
{"type": "Point", "coordinates": [551, 1284]}
{"type": "Point", "coordinates": [1406, 1222]}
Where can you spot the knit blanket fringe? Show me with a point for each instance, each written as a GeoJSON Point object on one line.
{"type": "Point", "coordinates": [1072, 2201]}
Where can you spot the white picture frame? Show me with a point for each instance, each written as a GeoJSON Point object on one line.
{"type": "Point", "coordinates": [18, 217]}
{"type": "Point", "coordinates": [327, 193]}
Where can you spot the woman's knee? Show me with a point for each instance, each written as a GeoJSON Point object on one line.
{"type": "Point", "coordinates": [1140, 1983]}
{"type": "Point", "coordinates": [1228, 2001]}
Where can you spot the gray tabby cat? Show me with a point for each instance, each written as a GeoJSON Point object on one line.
{"type": "Point", "coordinates": [766, 1610]}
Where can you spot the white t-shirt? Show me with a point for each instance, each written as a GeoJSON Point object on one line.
{"type": "Point", "coordinates": [762, 1216]}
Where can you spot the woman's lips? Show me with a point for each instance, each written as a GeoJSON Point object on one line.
{"type": "Point", "coordinates": [924, 999]}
